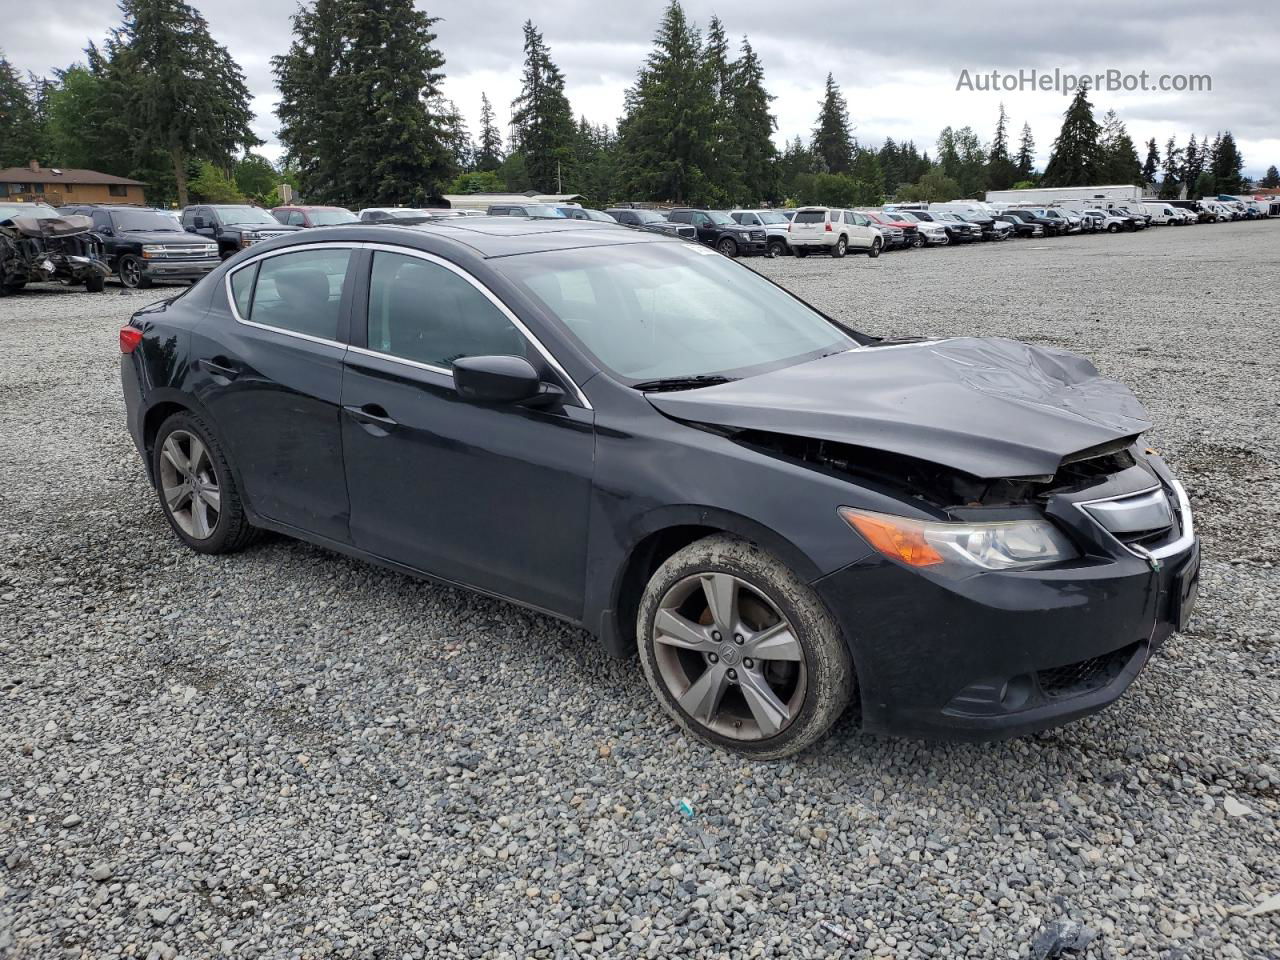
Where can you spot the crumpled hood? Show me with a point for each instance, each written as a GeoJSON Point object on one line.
{"type": "Point", "coordinates": [990, 407]}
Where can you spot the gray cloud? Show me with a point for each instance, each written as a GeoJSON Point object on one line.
{"type": "Point", "coordinates": [898, 67]}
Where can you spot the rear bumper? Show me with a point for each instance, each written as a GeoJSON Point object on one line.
{"type": "Point", "coordinates": [1003, 654]}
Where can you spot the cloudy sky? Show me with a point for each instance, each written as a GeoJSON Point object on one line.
{"type": "Point", "coordinates": [899, 65]}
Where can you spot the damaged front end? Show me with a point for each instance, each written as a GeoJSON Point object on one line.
{"type": "Point", "coordinates": [42, 249]}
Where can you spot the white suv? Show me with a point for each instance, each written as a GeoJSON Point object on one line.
{"type": "Point", "coordinates": [775, 228]}
{"type": "Point", "coordinates": [834, 231]}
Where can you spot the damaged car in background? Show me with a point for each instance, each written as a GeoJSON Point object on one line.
{"type": "Point", "coordinates": [777, 516]}
{"type": "Point", "coordinates": [37, 244]}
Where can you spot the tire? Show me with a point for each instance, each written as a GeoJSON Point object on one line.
{"type": "Point", "coordinates": [1113, 228]}
{"type": "Point", "coordinates": [811, 681]}
{"type": "Point", "coordinates": [129, 270]}
{"type": "Point", "coordinates": [777, 248]}
{"type": "Point", "coordinates": [841, 248]}
{"type": "Point", "coordinates": [801, 252]}
{"type": "Point", "coordinates": [918, 241]}
{"type": "Point", "coordinates": [727, 246]}
{"type": "Point", "coordinates": [227, 525]}
{"type": "Point", "coordinates": [875, 248]}
{"type": "Point", "coordinates": [96, 284]}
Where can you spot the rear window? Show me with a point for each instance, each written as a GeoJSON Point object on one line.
{"type": "Point", "coordinates": [810, 216]}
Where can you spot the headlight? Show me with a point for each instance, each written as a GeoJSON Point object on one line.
{"type": "Point", "coordinates": [247, 236]}
{"type": "Point", "coordinates": [1004, 545]}
{"type": "Point", "coordinates": [152, 250]}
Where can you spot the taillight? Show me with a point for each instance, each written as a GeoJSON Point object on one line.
{"type": "Point", "coordinates": [828, 226]}
{"type": "Point", "coordinates": [130, 337]}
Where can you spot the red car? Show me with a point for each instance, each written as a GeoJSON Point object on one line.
{"type": "Point", "coordinates": [298, 216]}
{"type": "Point", "coordinates": [910, 230]}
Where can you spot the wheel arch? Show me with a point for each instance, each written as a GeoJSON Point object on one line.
{"type": "Point", "coordinates": [657, 537]}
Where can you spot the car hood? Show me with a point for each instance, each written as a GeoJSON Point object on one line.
{"type": "Point", "coordinates": [989, 407]}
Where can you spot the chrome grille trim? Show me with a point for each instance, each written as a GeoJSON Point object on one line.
{"type": "Point", "coordinates": [1186, 528]}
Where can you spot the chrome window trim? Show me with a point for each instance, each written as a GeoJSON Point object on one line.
{"type": "Point", "coordinates": [1180, 545]}
{"type": "Point", "coordinates": [258, 258]}
{"type": "Point", "coordinates": [418, 364]}
{"type": "Point", "coordinates": [488, 295]}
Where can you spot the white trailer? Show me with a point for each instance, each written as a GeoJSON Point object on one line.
{"type": "Point", "coordinates": [1054, 196]}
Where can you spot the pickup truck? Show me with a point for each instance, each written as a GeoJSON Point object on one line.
{"type": "Point", "coordinates": [233, 226]}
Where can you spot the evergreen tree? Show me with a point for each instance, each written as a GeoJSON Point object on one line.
{"type": "Point", "coordinates": [187, 95]}
{"type": "Point", "coordinates": [1174, 172]}
{"type": "Point", "coordinates": [1205, 186]}
{"type": "Point", "coordinates": [489, 149]}
{"type": "Point", "coordinates": [832, 140]}
{"type": "Point", "coordinates": [1193, 162]}
{"type": "Point", "coordinates": [796, 160]}
{"type": "Point", "coordinates": [456, 138]}
{"type": "Point", "coordinates": [309, 77]}
{"type": "Point", "coordinates": [971, 162]}
{"type": "Point", "coordinates": [1271, 179]}
{"type": "Point", "coordinates": [1227, 165]}
{"type": "Point", "coordinates": [866, 170]}
{"type": "Point", "coordinates": [754, 124]}
{"type": "Point", "coordinates": [1000, 169]}
{"type": "Point", "coordinates": [948, 154]}
{"type": "Point", "coordinates": [1075, 158]}
{"type": "Point", "coordinates": [1151, 168]}
{"type": "Point", "coordinates": [725, 170]}
{"type": "Point", "coordinates": [1025, 164]}
{"type": "Point", "coordinates": [1118, 158]}
{"type": "Point", "coordinates": [665, 133]}
{"type": "Point", "coordinates": [543, 121]}
{"type": "Point", "coordinates": [19, 127]}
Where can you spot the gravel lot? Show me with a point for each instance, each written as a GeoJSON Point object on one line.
{"type": "Point", "coordinates": [285, 753]}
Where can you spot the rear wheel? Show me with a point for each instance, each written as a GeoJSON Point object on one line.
{"type": "Point", "coordinates": [728, 247]}
{"type": "Point", "coordinates": [131, 273]}
{"type": "Point", "coordinates": [841, 248]}
{"type": "Point", "coordinates": [876, 245]}
{"type": "Point", "coordinates": [197, 489]}
{"type": "Point", "coordinates": [740, 651]}
{"type": "Point", "coordinates": [96, 284]}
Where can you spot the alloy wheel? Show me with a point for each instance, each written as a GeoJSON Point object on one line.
{"type": "Point", "coordinates": [190, 484]}
{"type": "Point", "coordinates": [130, 272]}
{"type": "Point", "coordinates": [729, 657]}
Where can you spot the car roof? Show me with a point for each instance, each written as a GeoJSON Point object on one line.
{"type": "Point", "coordinates": [493, 236]}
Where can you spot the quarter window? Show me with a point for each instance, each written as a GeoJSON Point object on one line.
{"type": "Point", "coordinates": [298, 292]}
{"type": "Point", "coordinates": [421, 311]}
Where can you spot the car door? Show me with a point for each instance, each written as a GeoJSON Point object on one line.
{"type": "Point", "coordinates": [860, 230]}
{"type": "Point", "coordinates": [268, 369]}
{"type": "Point", "coordinates": [493, 496]}
{"type": "Point", "coordinates": [706, 230]}
{"type": "Point", "coordinates": [103, 226]}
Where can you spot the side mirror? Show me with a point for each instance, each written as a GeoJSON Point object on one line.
{"type": "Point", "coordinates": [501, 380]}
{"type": "Point", "coordinates": [106, 231]}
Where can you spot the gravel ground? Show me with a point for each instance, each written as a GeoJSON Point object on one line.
{"type": "Point", "coordinates": [286, 753]}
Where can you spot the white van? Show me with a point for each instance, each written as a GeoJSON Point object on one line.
{"type": "Point", "coordinates": [1161, 213]}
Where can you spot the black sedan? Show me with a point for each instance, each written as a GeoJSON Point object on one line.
{"type": "Point", "coordinates": [964, 537]}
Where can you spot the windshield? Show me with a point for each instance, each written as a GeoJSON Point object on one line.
{"type": "Point", "coordinates": [904, 215]}
{"type": "Point", "coordinates": [246, 214]}
{"type": "Point", "coordinates": [324, 218]}
{"type": "Point", "coordinates": [542, 210]}
{"type": "Point", "coordinates": [34, 211]}
{"type": "Point", "coordinates": [649, 216]}
{"type": "Point", "coordinates": [769, 216]}
{"type": "Point", "coordinates": [720, 218]}
{"type": "Point", "coordinates": [149, 220]}
{"type": "Point", "coordinates": [657, 310]}
{"type": "Point", "coordinates": [599, 215]}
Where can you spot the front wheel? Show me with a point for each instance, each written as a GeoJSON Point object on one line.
{"type": "Point", "coordinates": [875, 248]}
{"type": "Point", "coordinates": [917, 241]}
{"type": "Point", "coordinates": [727, 247]}
{"type": "Point", "coordinates": [1114, 228]}
{"type": "Point", "coordinates": [740, 651]}
{"type": "Point", "coordinates": [96, 284]}
{"type": "Point", "coordinates": [132, 274]}
{"type": "Point", "coordinates": [197, 490]}
{"type": "Point", "coordinates": [777, 248]}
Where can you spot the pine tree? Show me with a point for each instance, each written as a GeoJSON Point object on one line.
{"type": "Point", "coordinates": [1271, 179]}
{"type": "Point", "coordinates": [725, 170]}
{"type": "Point", "coordinates": [1227, 165]}
{"type": "Point", "coordinates": [1000, 169]}
{"type": "Point", "coordinates": [1174, 172]}
{"type": "Point", "coordinates": [457, 139]}
{"type": "Point", "coordinates": [489, 149]}
{"type": "Point", "coordinates": [1193, 163]}
{"type": "Point", "coordinates": [308, 78]}
{"type": "Point", "coordinates": [1118, 158]}
{"type": "Point", "coordinates": [188, 95]}
{"type": "Point", "coordinates": [1151, 168]}
{"type": "Point", "coordinates": [832, 140]}
{"type": "Point", "coordinates": [541, 116]}
{"type": "Point", "coordinates": [19, 129]}
{"type": "Point", "coordinates": [971, 162]}
{"type": "Point", "coordinates": [665, 134]}
{"type": "Point", "coordinates": [1025, 164]}
{"type": "Point", "coordinates": [1075, 158]}
{"type": "Point", "coordinates": [754, 124]}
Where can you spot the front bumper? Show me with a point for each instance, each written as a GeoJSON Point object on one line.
{"type": "Point", "coordinates": [161, 269]}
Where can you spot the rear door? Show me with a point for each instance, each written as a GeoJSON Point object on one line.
{"type": "Point", "coordinates": [860, 230]}
{"type": "Point", "coordinates": [493, 496]}
{"type": "Point", "coordinates": [269, 372]}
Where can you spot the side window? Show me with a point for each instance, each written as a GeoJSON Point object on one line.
{"type": "Point", "coordinates": [419, 310]}
{"type": "Point", "coordinates": [242, 289]}
{"type": "Point", "coordinates": [299, 292]}
{"type": "Point", "coordinates": [101, 219]}
{"type": "Point", "coordinates": [701, 220]}
{"type": "Point", "coordinates": [188, 217]}
{"type": "Point", "coordinates": [296, 218]}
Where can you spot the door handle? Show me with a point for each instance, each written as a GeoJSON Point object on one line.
{"type": "Point", "coordinates": [219, 367]}
{"type": "Point", "coordinates": [372, 417]}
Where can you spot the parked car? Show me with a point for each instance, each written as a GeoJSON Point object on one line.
{"type": "Point", "coordinates": [233, 226]}
{"type": "Point", "coordinates": [382, 214]}
{"type": "Point", "coordinates": [992, 229]}
{"type": "Point", "coordinates": [832, 231]}
{"type": "Point", "coordinates": [928, 233]}
{"type": "Point", "coordinates": [1024, 227]}
{"type": "Point", "coordinates": [37, 244]}
{"type": "Point", "coordinates": [142, 245]}
{"type": "Point", "coordinates": [651, 221]}
{"type": "Point", "coordinates": [1102, 220]}
{"type": "Point", "coordinates": [538, 211]}
{"type": "Point", "coordinates": [778, 514]}
{"type": "Point", "coordinates": [773, 222]}
{"type": "Point", "coordinates": [898, 234]}
{"type": "Point", "coordinates": [1067, 222]}
{"type": "Point", "coordinates": [312, 216]}
{"type": "Point", "coordinates": [717, 230]}
{"type": "Point", "coordinates": [1130, 221]}
{"type": "Point", "coordinates": [957, 230]}
{"type": "Point", "coordinates": [585, 213]}
{"type": "Point", "coordinates": [1048, 228]}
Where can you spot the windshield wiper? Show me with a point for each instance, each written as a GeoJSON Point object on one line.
{"type": "Point", "coordinates": [682, 383]}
